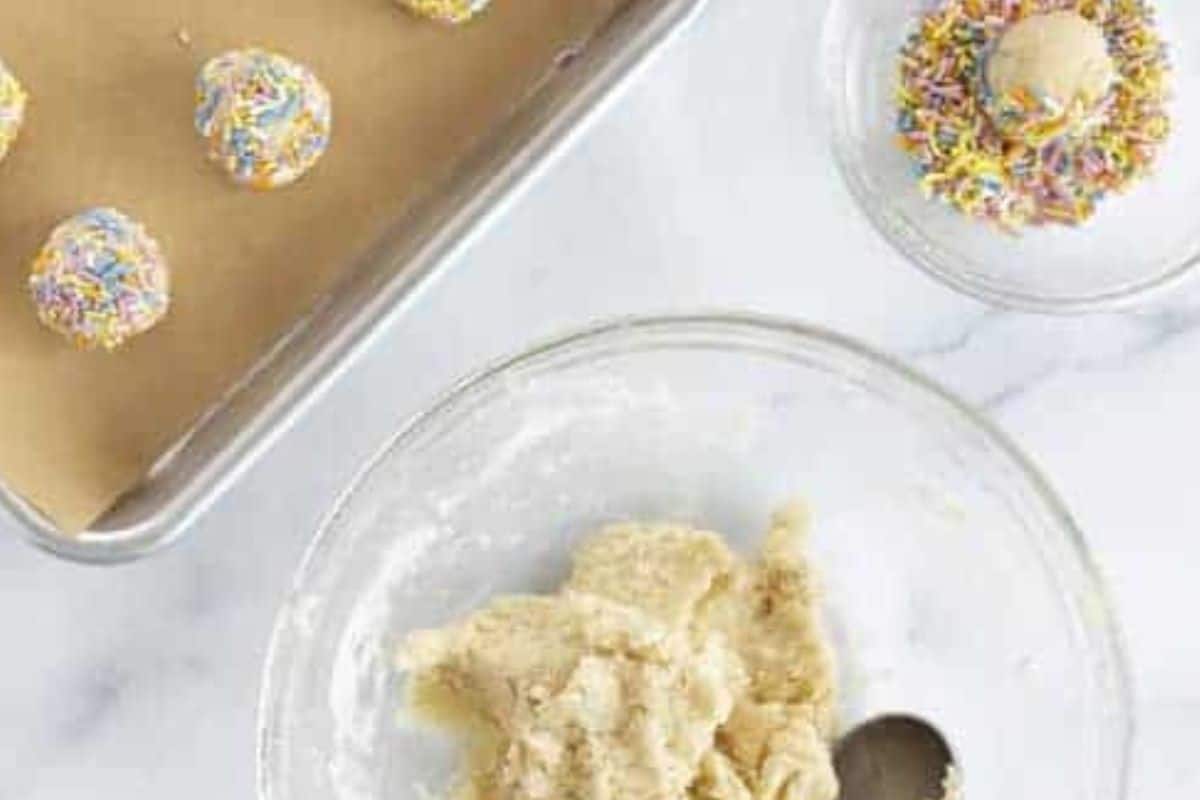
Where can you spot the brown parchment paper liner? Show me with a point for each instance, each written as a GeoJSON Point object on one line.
{"type": "Point", "coordinates": [110, 123]}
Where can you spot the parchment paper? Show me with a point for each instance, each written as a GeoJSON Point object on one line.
{"type": "Point", "coordinates": [109, 123]}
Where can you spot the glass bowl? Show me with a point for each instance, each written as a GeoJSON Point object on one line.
{"type": "Point", "coordinates": [956, 586]}
{"type": "Point", "coordinates": [1138, 242]}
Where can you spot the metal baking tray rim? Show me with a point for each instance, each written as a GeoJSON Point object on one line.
{"type": "Point", "coordinates": [228, 439]}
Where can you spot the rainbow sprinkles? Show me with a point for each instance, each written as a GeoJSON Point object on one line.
{"type": "Point", "coordinates": [266, 118]}
{"type": "Point", "coordinates": [100, 280]}
{"type": "Point", "coordinates": [12, 109]}
{"type": "Point", "coordinates": [1023, 158]}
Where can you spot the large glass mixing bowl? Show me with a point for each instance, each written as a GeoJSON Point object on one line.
{"type": "Point", "coordinates": [956, 586]}
{"type": "Point", "coordinates": [1139, 242]}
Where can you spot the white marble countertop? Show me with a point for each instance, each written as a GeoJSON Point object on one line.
{"type": "Point", "coordinates": [707, 186]}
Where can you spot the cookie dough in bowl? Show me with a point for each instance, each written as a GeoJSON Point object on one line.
{"type": "Point", "coordinates": [945, 579]}
{"type": "Point", "coordinates": [663, 668]}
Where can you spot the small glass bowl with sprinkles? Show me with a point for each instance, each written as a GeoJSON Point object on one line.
{"type": "Point", "coordinates": [1079, 215]}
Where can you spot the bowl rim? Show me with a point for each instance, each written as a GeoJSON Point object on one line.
{"type": "Point", "coordinates": [915, 247]}
{"type": "Point", "coordinates": [1106, 630]}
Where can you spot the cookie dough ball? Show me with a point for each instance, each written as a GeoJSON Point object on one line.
{"type": "Point", "coordinates": [100, 279]}
{"type": "Point", "coordinates": [266, 118]}
{"type": "Point", "coordinates": [1048, 75]}
{"type": "Point", "coordinates": [455, 12]}
{"type": "Point", "coordinates": [12, 109]}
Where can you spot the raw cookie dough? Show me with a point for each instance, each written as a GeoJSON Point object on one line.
{"type": "Point", "coordinates": [664, 669]}
{"type": "Point", "coordinates": [1050, 70]}
{"type": "Point", "coordinates": [12, 109]}
{"type": "Point", "coordinates": [265, 117]}
{"type": "Point", "coordinates": [455, 12]}
{"type": "Point", "coordinates": [100, 279]}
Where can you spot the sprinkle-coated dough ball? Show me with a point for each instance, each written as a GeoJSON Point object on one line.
{"type": "Point", "coordinates": [100, 280]}
{"type": "Point", "coordinates": [12, 109]}
{"type": "Point", "coordinates": [455, 12]}
{"type": "Point", "coordinates": [265, 117]}
{"type": "Point", "coordinates": [1048, 74]}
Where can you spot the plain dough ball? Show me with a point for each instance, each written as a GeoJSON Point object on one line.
{"type": "Point", "coordinates": [266, 118]}
{"type": "Point", "coordinates": [1058, 56]}
{"type": "Point", "coordinates": [100, 279]}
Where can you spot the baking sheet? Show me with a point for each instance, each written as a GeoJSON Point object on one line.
{"type": "Point", "coordinates": [109, 122]}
